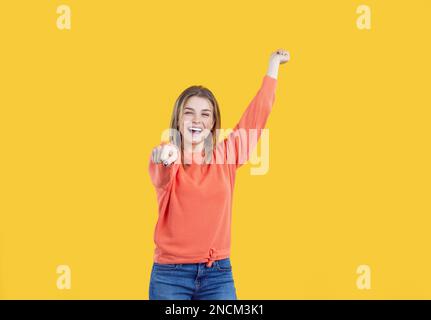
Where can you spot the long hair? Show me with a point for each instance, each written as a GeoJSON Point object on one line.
{"type": "Point", "coordinates": [175, 136]}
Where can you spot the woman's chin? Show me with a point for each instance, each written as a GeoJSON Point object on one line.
{"type": "Point", "coordinates": [193, 142]}
{"type": "Point", "coordinates": [196, 142]}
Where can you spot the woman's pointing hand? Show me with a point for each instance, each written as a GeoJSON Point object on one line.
{"type": "Point", "coordinates": [165, 154]}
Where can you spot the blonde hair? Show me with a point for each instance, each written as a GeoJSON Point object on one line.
{"type": "Point", "coordinates": [175, 136]}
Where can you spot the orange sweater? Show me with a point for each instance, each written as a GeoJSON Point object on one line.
{"type": "Point", "coordinates": [195, 203]}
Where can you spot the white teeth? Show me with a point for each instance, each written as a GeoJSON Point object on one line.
{"type": "Point", "coordinates": [194, 129]}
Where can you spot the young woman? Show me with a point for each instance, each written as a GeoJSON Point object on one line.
{"type": "Point", "coordinates": [194, 176]}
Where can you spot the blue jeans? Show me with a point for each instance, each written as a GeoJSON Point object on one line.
{"type": "Point", "coordinates": [192, 281]}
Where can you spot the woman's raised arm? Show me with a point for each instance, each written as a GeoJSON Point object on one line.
{"type": "Point", "coordinates": [240, 143]}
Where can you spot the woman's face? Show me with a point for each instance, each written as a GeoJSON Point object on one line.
{"type": "Point", "coordinates": [196, 121]}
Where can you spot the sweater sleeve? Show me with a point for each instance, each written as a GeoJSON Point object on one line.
{"type": "Point", "coordinates": [160, 175]}
{"type": "Point", "coordinates": [241, 142]}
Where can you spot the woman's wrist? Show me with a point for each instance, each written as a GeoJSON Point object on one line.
{"type": "Point", "coordinates": [273, 66]}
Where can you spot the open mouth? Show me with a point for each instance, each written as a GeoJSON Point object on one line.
{"type": "Point", "coordinates": [195, 130]}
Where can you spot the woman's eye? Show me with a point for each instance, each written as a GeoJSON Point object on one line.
{"type": "Point", "coordinates": [187, 112]}
{"type": "Point", "coordinates": [206, 115]}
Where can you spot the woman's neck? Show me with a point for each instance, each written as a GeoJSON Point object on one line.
{"type": "Point", "coordinates": [195, 154]}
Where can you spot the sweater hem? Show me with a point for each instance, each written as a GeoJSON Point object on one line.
{"type": "Point", "coordinates": [163, 258]}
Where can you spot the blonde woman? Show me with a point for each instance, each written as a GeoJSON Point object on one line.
{"type": "Point", "coordinates": [194, 176]}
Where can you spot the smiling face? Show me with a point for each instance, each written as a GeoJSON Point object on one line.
{"type": "Point", "coordinates": [196, 121]}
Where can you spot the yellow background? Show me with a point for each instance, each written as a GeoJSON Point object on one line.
{"type": "Point", "coordinates": [349, 178]}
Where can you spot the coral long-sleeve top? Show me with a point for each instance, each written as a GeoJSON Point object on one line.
{"type": "Point", "coordinates": [195, 201]}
